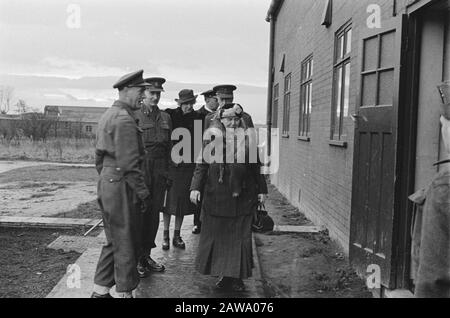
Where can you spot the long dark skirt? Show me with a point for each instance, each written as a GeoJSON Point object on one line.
{"type": "Point", "coordinates": [178, 200]}
{"type": "Point", "coordinates": [225, 247]}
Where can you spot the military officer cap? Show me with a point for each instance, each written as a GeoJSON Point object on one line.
{"type": "Point", "coordinates": [130, 80]}
{"type": "Point", "coordinates": [225, 91]}
{"type": "Point", "coordinates": [155, 84]}
{"type": "Point", "coordinates": [209, 93]}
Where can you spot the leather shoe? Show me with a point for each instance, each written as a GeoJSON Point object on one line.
{"type": "Point", "coordinates": [153, 265]}
{"type": "Point", "coordinates": [95, 295]}
{"type": "Point", "coordinates": [178, 242]}
{"type": "Point", "coordinates": [166, 244]}
{"type": "Point", "coordinates": [223, 282]}
{"type": "Point", "coordinates": [142, 269]}
{"type": "Point", "coordinates": [237, 285]}
{"type": "Point", "coordinates": [196, 229]}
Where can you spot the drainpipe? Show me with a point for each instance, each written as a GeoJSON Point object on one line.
{"type": "Point", "coordinates": [270, 18]}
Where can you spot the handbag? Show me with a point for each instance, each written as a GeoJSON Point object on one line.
{"type": "Point", "coordinates": [262, 222]}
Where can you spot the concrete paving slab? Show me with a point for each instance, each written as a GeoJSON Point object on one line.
{"type": "Point", "coordinates": [79, 280]}
{"type": "Point", "coordinates": [297, 229]}
{"type": "Point", "coordinates": [15, 221]}
{"type": "Point", "coordinates": [78, 244]}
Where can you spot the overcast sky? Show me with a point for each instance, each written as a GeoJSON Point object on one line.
{"type": "Point", "coordinates": [202, 42]}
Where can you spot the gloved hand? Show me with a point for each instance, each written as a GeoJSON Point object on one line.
{"type": "Point", "coordinates": [195, 197]}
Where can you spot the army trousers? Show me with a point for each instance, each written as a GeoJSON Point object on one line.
{"type": "Point", "coordinates": [121, 215]}
{"type": "Point", "coordinates": [155, 176]}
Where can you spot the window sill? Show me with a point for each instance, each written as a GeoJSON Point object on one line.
{"type": "Point", "coordinates": [337, 143]}
{"type": "Point", "coordinates": [304, 138]}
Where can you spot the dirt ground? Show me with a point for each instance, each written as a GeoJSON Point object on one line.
{"type": "Point", "coordinates": [46, 190]}
{"type": "Point", "coordinates": [303, 265]}
{"type": "Point", "coordinates": [28, 268]}
{"type": "Point", "coordinates": [89, 210]}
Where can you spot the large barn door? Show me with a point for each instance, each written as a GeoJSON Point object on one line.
{"type": "Point", "coordinates": [374, 171]}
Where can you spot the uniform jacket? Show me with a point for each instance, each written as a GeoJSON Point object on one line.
{"type": "Point", "coordinates": [156, 132]}
{"type": "Point", "coordinates": [203, 112]}
{"type": "Point", "coordinates": [433, 277]}
{"type": "Point", "coordinates": [119, 146]}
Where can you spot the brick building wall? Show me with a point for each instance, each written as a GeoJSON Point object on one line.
{"type": "Point", "coordinates": [314, 175]}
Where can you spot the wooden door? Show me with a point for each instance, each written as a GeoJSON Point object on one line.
{"type": "Point", "coordinates": [375, 151]}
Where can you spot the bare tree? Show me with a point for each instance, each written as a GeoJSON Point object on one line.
{"type": "Point", "coordinates": [21, 106]}
{"type": "Point", "coordinates": [6, 96]}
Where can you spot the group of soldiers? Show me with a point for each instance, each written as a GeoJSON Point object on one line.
{"type": "Point", "coordinates": [133, 159]}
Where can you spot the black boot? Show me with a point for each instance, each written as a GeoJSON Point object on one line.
{"type": "Point", "coordinates": [154, 266]}
{"type": "Point", "coordinates": [166, 241]}
{"type": "Point", "coordinates": [177, 240]}
{"type": "Point", "coordinates": [196, 230]}
{"type": "Point", "coordinates": [224, 283]}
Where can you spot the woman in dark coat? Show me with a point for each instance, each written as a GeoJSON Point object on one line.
{"type": "Point", "coordinates": [180, 174]}
{"type": "Point", "coordinates": [225, 248]}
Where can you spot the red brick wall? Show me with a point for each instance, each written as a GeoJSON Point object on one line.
{"type": "Point", "coordinates": [323, 173]}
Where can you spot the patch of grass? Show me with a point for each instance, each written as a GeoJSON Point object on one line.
{"type": "Point", "coordinates": [37, 176]}
{"type": "Point", "coordinates": [55, 150]}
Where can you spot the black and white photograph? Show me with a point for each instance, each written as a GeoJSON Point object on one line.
{"type": "Point", "coordinates": [224, 155]}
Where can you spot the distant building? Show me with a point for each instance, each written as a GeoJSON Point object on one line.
{"type": "Point", "coordinates": [353, 95]}
{"type": "Point", "coordinates": [74, 121]}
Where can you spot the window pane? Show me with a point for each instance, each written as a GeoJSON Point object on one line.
{"type": "Point", "coordinates": [387, 49]}
{"type": "Point", "coordinates": [371, 54]}
{"type": "Point", "coordinates": [349, 41]}
{"type": "Point", "coordinates": [288, 83]}
{"type": "Point", "coordinates": [304, 108]}
{"type": "Point", "coordinates": [340, 47]}
{"type": "Point", "coordinates": [287, 101]}
{"type": "Point", "coordinates": [312, 68]}
{"type": "Point", "coordinates": [308, 129]}
{"type": "Point", "coordinates": [346, 90]}
{"type": "Point", "coordinates": [369, 89]}
{"type": "Point", "coordinates": [337, 102]}
{"type": "Point", "coordinates": [386, 88]}
{"type": "Point", "coordinates": [338, 91]}
{"type": "Point", "coordinates": [275, 114]}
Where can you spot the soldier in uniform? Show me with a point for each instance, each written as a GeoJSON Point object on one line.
{"type": "Point", "coordinates": [121, 190]}
{"type": "Point", "coordinates": [211, 105]}
{"type": "Point", "coordinates": [157, 128]}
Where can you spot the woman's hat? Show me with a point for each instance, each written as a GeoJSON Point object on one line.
{"type": "Point", "coordinates": [186, 95]}
{"type": "Point", "coordinates": [235, 111]}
